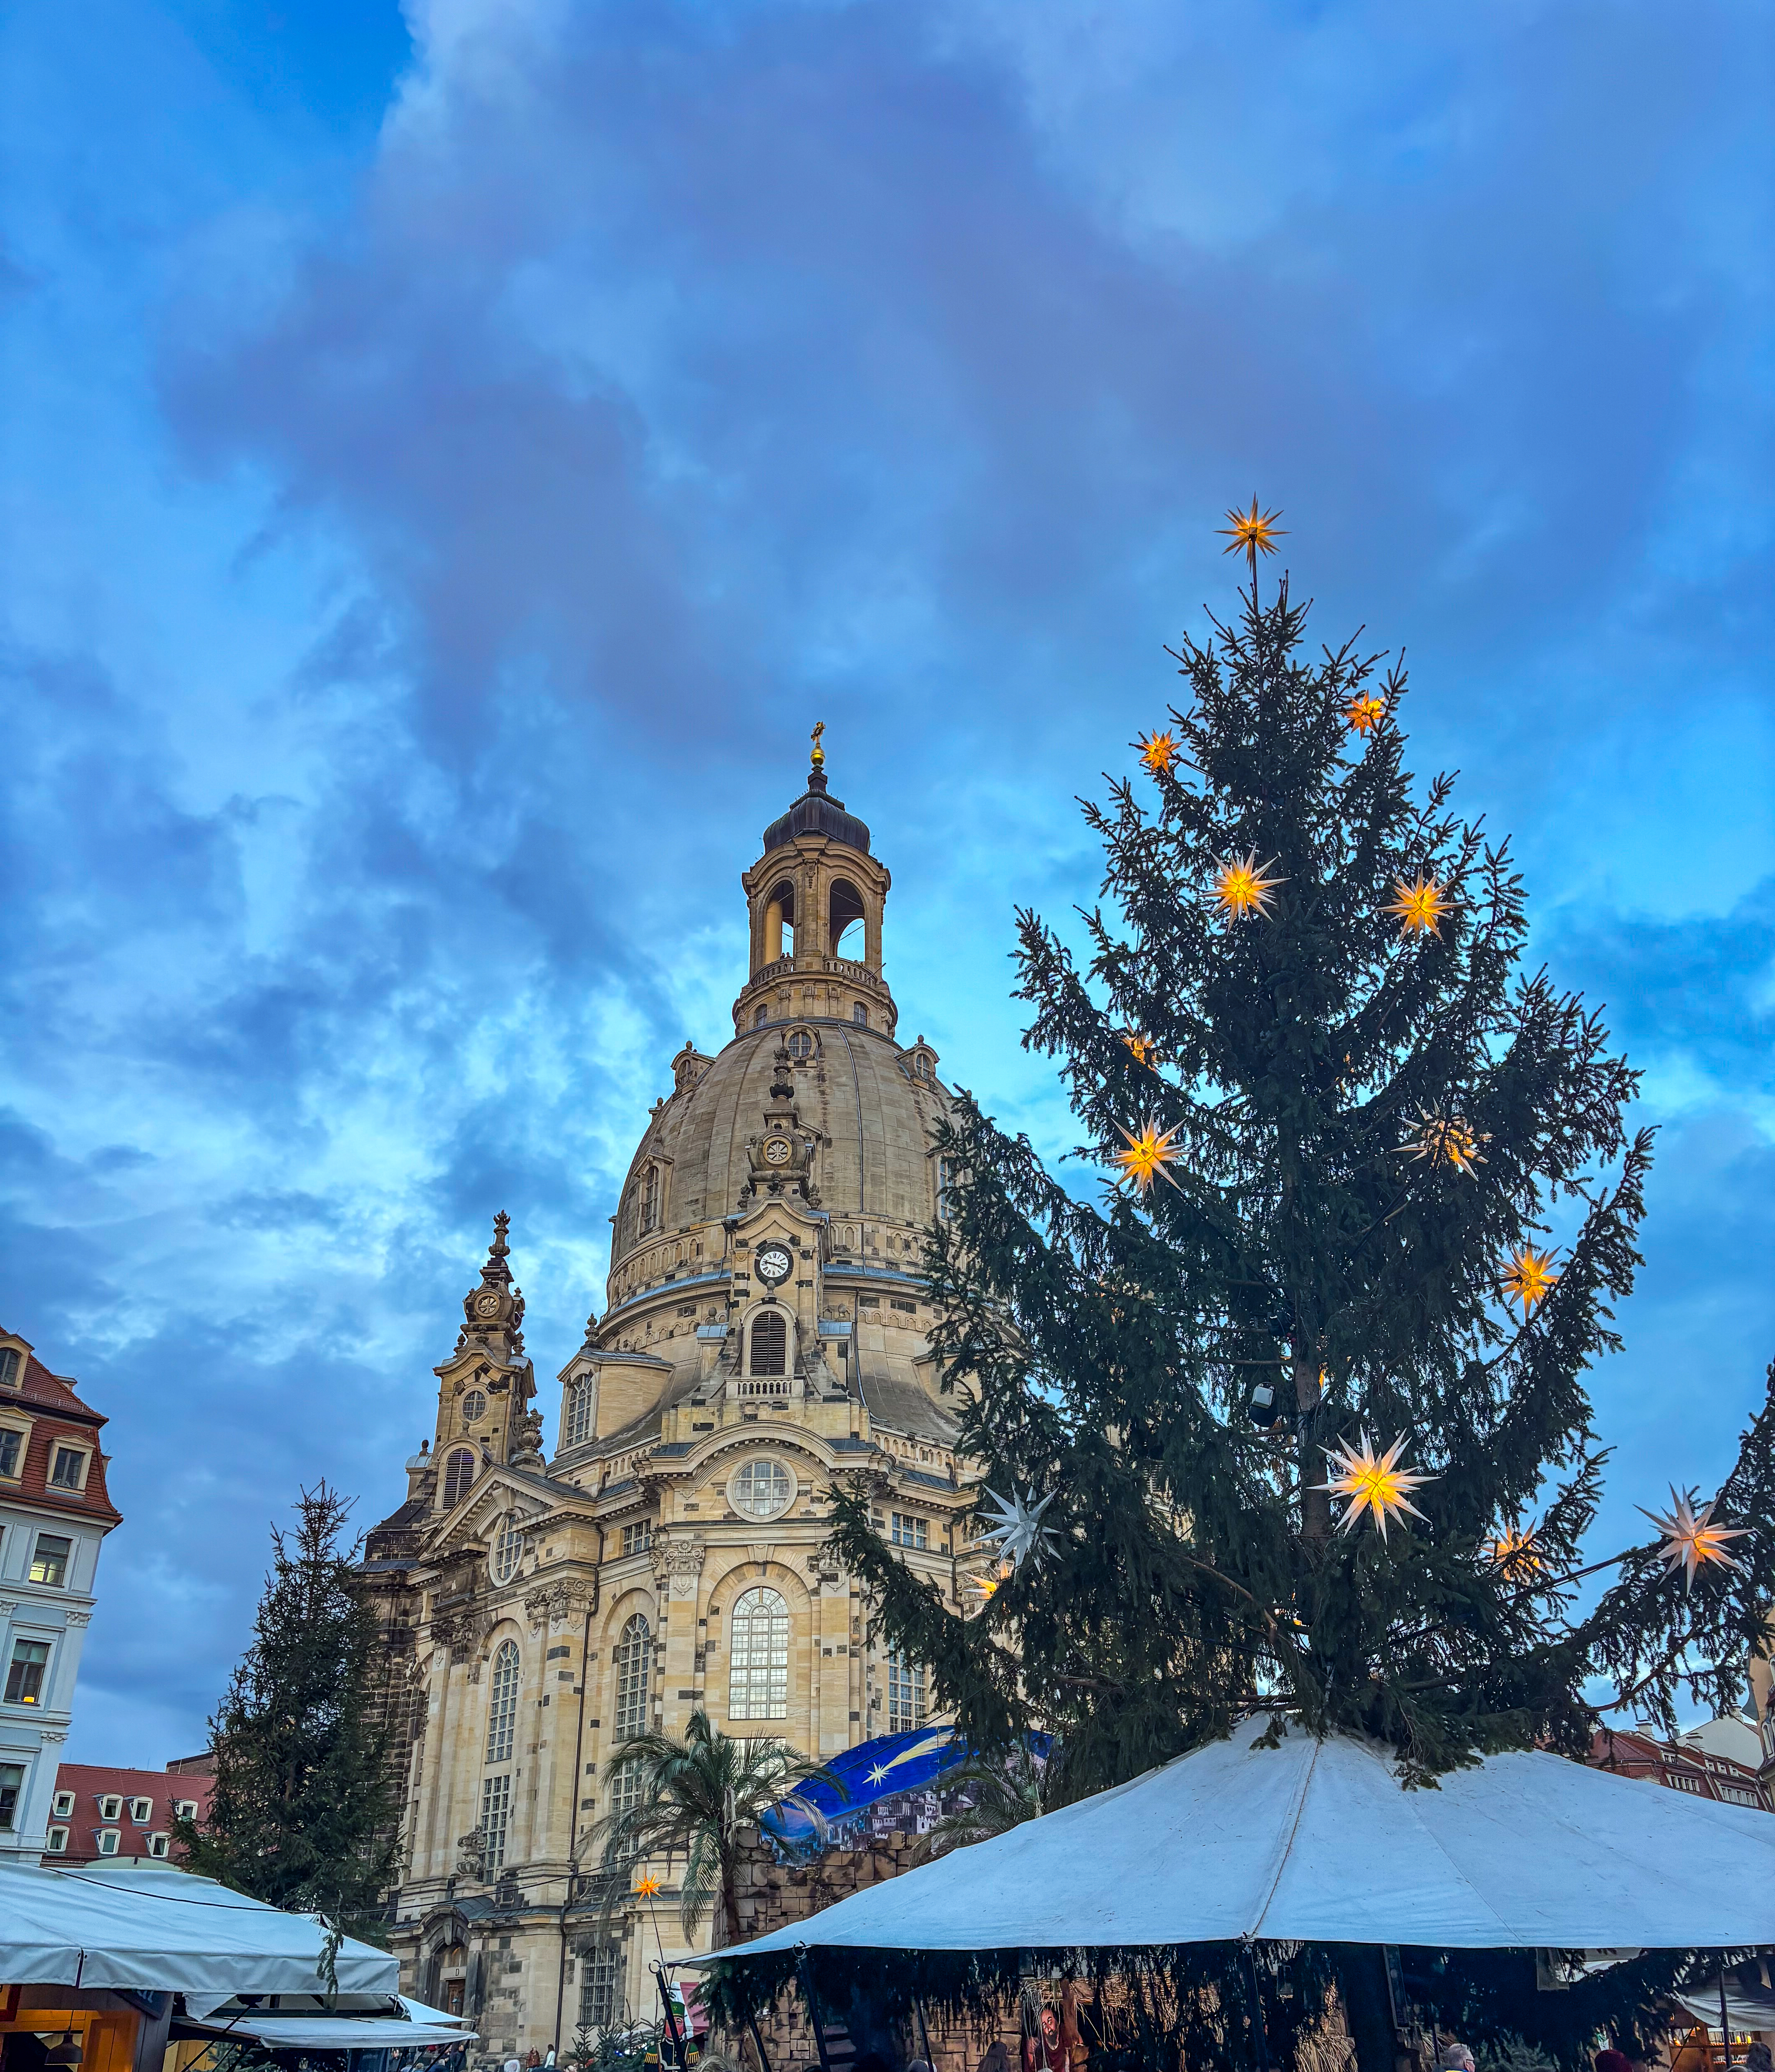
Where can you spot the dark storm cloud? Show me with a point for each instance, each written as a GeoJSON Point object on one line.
{"type": "Point", "coordinates": [446, 562]}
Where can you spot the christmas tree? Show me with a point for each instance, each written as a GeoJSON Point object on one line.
{"type": "Point", "coordinates": [303, 1814]}
{"type": "Point", "coordinates": [1299, 1376]}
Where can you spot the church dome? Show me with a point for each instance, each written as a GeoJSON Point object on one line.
{"type": "Point", "coordinates": [814, 813]}
{"type": "Point", "coordinates": [868, 1107]}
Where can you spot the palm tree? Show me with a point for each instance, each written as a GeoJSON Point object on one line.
{"type": "Point", "coordinates": [1007, 1791]}
{"type": "Point", "coordinates": [695, 1797]}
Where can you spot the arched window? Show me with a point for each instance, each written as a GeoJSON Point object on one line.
{"type": "Point", "coordinates": [576, 1414]}
{"type": "Point", "coordinates": [501, 1704]}
{"type": "Point", "coordinates": [458, 1476]}
{"type": "Point", "coordinates": [770, 1343]}
{"type": "Point", "coordinates": [632, 1667]}
{"type": "Point", "coordinates": [760, 1016]}
{"type": "Point", "coordinates": [844, 909]}
{"type": "Point", "coordinates": [507, 1548]}
{"type": "Point", "coordinates": [860, 1015]}
{"type": "Point", "coordinates": [650, 1198]}
{"type": "Point", "coordinates": [757, 1683]}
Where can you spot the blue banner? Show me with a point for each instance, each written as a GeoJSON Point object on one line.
{"type": "Point", "coordinates": [872, 1771]}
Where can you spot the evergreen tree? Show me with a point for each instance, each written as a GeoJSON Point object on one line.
{"type": "Point", "coordinates": [1373, 1180]}
{"type": "Point", "coordinates": [303, 1813]}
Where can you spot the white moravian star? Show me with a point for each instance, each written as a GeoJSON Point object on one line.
{"type": "Point", "coordinates": [1019, 1529]}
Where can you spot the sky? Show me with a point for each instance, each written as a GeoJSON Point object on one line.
{"type": "Point", "coordinates": [450, 458]}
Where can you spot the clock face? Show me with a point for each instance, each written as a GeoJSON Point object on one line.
{"type": "Point", "coordinates": [775, 1264]}
{"type": "Point", "coordinates": [777, 1150]}
{"type": "Point", "coordinates": [486, 1303]}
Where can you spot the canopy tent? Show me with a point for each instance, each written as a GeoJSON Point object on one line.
{"type": "Point", "coordinates": [152, 1930]}
{"type": "Point", "coordinates": [417, 2023]}
{"type": "Point", "coordinates": [1315, 1841]}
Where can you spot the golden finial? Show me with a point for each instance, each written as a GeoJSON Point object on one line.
{"type": "Point", "coordinates": [819, 754]}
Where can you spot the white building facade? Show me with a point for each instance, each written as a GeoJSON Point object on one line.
{"type": "Point", "coordinates": [55, 1512]}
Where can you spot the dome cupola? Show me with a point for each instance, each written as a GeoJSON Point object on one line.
{"type": "Point", "coordinates": [816, 897]}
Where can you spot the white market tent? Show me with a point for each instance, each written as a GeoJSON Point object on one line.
{"type": "Point", "coordinates": [1315, 1841]}
{"type": "Point", "coordinates": [151, 1930]}
{"type": "Point", "coordinates": [418, 2024]}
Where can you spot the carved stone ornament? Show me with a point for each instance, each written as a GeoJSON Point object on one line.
{"type": "Point", "coordinates": [78, 1618]}
{"type": "Point", "coordinates": [760, 1551]}
{"type": "Point", "coordinates": [555, 1606]}
{"type": "Point", "coordinates": [677, 1563]}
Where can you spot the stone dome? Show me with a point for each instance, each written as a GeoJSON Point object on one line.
{"type": "Point", "coordinates": [869, 1107]}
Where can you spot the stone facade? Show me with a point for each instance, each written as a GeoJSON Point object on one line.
{"type": "Point", "coordinates": [765, 1341]}
{"type": "Point", "coordinates": [55, 1512]}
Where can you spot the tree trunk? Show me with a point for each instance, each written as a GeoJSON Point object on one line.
{"type": "Point", "coordinates": [1315, 1503]}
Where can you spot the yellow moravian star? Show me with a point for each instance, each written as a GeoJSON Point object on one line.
{"type": "Point", "coordinates": [1372, 1483]}
{"type": "Point", "coordinates": [1362, 713]}
{"type": "Point", "coordinates": [1252, 534]}
{"type": "Point", "coordinates": [1419, 907]}
{"type": "Point", "coordinates": [1529, 1278]}
{"type": "Point", "coordinates": [1149, 1152]}
{"type": "Point", "coordinates": [1691, 1538]}
{"type": "Point", "coordinates": [1245, 886]}
{"type": "Point", "coordinates": [1159, 752]}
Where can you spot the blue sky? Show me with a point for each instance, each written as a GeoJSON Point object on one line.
{"type": "Point", "coordinates": [451, 458]}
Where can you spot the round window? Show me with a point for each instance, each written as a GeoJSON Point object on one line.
{"type": "Point", "coordinates": [762, 1489]}
{"type": "Point", "coordinates": [473, 1406]}
{"type": "Point", "coordinates": [508, 1548]}
{"type": "Point", "coordinates": [801, 1045]}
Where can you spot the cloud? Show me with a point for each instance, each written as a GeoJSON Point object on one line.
{"type": "Point", "coordinates": [435, 545]}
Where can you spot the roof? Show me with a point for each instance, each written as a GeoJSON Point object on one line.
{"type": "Point", "coordinates": [89, 1782]}
{"type": "Point", "coordinates": [814, 813]}
{"type": "Point", "coordinates": [150, 1930]}
{"type": "Point", "coordinates": [905, 1405]}
{"type": "Point", "coordinates": [1314, 1841]}
{"type": "Point", "coordinates": [56, 1412]}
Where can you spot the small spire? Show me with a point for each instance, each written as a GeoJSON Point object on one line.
{"type": "Point", "coordinates": [502, 1223]}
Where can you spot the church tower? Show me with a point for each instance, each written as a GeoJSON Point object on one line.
{"type": "Point", "coordinates": [763, 1340]}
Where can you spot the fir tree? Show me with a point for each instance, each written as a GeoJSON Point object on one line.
{"type": "Point", "coordinates": [1367, 1165]}
{"type": "Point", "coordinates": [303, 1814]}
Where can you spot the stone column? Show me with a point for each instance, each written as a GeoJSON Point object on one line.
{"type": "Point", "coordinates": [678, 1583]}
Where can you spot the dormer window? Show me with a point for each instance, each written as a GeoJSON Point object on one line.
{"type": "Point", "coordinates": [768, 1343]}
{"type": "Point", "coordinates": [68, 1468]}
{"type": "Point", "coordinates": [650, 1198]}
{"type": "Point", "coordinates": [12, 1367]}
{"type": "Point", "coordinates": [110, 1806]}
{"type": "Point", "coordinates": [141, 1811]}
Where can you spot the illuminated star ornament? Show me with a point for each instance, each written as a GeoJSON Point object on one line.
{"type": "Point", "coordinates": [645, 1888]}
{"type": "Point", "coordinates": [1252, 534]}
{"type": "Point", "coordinates": [1159, 752]}
{"type": "Point", "coordinates": [1419, 907]}
{"type": "Point", "coordinates": [1515, 1552]}
{"type": "Point", "coordinates": [1372, 1483]}
{"type": "Point", "coordinates": [1362, 714]}
{"type": "Point", "coordinates": [1019, 1529]}
{"type": "Point", "coordinates": [1691, 1540]}
{"type": "Point", "coordinates": [1245, 886]}
{"type": "Point", "coordinates": [1529, 1278]}
{"type": "Point", "coordinates": [1140, 1047]}
{"type": "Point", "coordinates": [1149, 1152]}
{"type": "Point", "coordinates": [985, 1588]}
{"type": "Point", "coordinates": [1447, 1140]}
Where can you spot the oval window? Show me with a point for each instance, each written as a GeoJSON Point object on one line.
{"type": "Point", "coordinates": [762, 1489]}
{"type": "Point", "coordinates": [473, 1406]}
{"type": "Point", "coordinates": [508, 1548]}
{"type": "Point", "coordinates": [801, 1045]}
